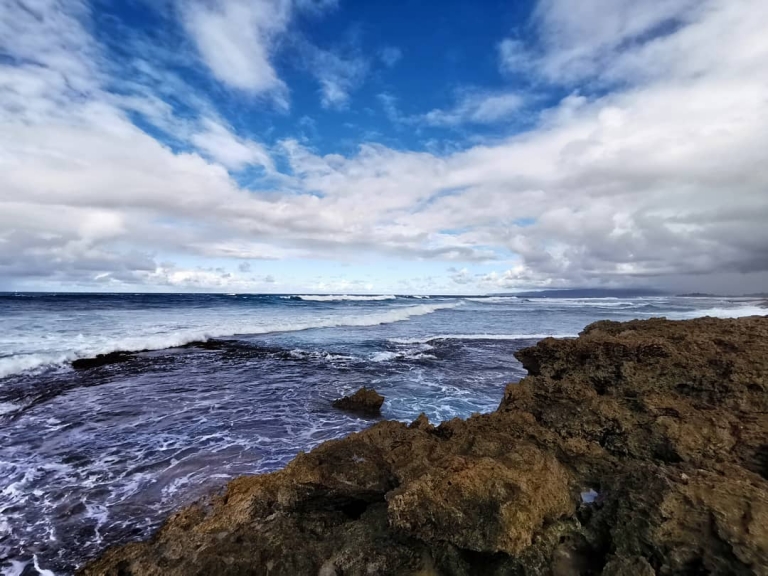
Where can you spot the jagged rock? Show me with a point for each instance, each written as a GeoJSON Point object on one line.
{"type": "Point", "coordinates": [665, 422]}
{"type": "Point", "coordinates": [422, 423]}
{"type": "Point", "coordinates": [365, 401]}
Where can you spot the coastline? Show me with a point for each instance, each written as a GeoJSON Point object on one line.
{"type": "Point", "coordinates": [636, 449]}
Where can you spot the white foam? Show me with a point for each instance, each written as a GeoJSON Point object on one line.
{"type": "Point", "coordinates": [608, 302]}
{"type": "Point", "coordinates": [15, 569]}
{"type": "Point", "coordinates": [384, 356]}
{"type": "Point", "coordinates": [7, 408]}
{"type": "Point", "coordinates": [173, 337]}
{"type": "Point", "coordinates": [736, 312]}
{"type": "Point", "coordinates": [29, 362]}
{"type": "Point", "coordinates": [300, 354]}
{"type": "Point", "coordinates": [494, 299]}
{"type": "Point", "coordinates": [345, 298]}
{"type": "Point", "coordinates": [41, 571]}
{"type": "Point", "coordinates": [424, 339]}
{"type": "Point", "coordinates": [411, 355]}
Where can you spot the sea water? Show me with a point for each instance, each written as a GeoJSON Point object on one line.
{"type": "Point", "coordinates": [92, 458]}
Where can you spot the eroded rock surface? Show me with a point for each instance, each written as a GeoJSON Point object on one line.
{"type": "Point", "coordinates": [365, 401]}
{"type": "Point", "coordinates": [667, 422]}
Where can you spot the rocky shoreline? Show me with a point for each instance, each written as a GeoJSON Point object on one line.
{"type": "Point", "coordinates": [639, 448]}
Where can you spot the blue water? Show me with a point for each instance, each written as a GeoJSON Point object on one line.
{"type": "Point", "coordinates": [90, 458]}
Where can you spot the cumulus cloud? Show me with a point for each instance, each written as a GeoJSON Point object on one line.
{"type": "Point", "coordinates": [660, 179]}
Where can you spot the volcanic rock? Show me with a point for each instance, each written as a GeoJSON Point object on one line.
{"type": "Point", "coordinates": [103, 360]}
{"type": "Point", "coordinates": [664, 424]}
{"type": "Point", "coordinates": [365, 401]}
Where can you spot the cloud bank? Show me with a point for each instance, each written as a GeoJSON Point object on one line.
{"type": "Point", "coordinates": [649, 170]}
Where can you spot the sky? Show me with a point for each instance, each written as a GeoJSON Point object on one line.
{"type": "Point", "coordinates": [398, 146]}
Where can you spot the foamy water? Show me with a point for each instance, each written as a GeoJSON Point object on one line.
{"type": "Point", "coordinates": [150, 333]}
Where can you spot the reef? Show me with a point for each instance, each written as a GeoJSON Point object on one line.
{"type": "Point", "coordinates": [365, 401]}
{"type": "Point", "coordinates": [636, 449]}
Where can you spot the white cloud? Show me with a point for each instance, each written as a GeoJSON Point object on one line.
{"type": "Point", "coordinates": [236, 38]}
{"type": "Point", "coordinates": [659, 181]}
{"type": "Point", "coordinates": [390, 55]}
{"type": "Point", "coordinates": [515, 56]}
{"type": "Point", "coordinates": [462, 276]}
{"type": "Point", "coordinates": [583, 44]}
{"type": "Point", "coordinates": [219, 143]}
{"type": "Point", "coordinates": [337, 73]}
{"type": "Point", "coordinates": [471, 107]}
{"type": "Point", "coordinates": [477, 108]}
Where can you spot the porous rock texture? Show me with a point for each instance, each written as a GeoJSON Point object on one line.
{"type": "Point", "coordinates": [666, 421]}
{"type": "Point", "coordinates": [365, 401]}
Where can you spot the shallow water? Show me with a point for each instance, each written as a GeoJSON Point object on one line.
{"type": "Point", "coordinates": [95, 457]}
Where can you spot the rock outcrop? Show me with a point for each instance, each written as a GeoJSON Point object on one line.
{"type": "Point", "coordinates": [664, 425]}
{"type": "Point", "coordinates": [365, 401]}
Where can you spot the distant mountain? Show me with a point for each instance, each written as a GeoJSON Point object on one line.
{"type": "Point", "coordinates": [588, 293]}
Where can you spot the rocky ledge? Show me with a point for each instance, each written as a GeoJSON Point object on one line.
{"type": "Point", "coordinates": [365, 401]}
{"type": "Point", "coordinates": [639, 448]}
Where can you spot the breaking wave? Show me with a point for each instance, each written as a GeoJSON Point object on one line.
{"type": "Point", "coordinates": [84, 349]}
{"type": "Point", "coordinates": [342, 298]}
{"type": "Point", "coordinates": [493, 299]}
{"type": "Point", "coordinates": [426, 339]}
{"type": "Point", "coordinates": [736, 312]}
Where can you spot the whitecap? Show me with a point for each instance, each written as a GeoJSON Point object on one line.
{"type": "Point", "coordinates": [344, 298]}
{"type": "Point", "coordinates": [493, 299]}
{"type": "Point", "coordinates": [24, 362]}
{"type": "Point", "coordinates": [384, 356]}
{"type": "Point", "coordinates": [425, 339]}
{"type": "Point", "coordinates": [736, 312]}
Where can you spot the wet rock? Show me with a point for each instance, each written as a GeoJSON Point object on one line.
{"type": "Point", "coordinates": [119, 357]}
{"type": "Point", "coordinates": [665, 422]}
{"type": "Point", "coordinates": [102, 360]}
{"type": "Point", "coordinates": [365, 401]}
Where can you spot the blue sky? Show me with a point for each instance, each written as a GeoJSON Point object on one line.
{"type": "Point", "coordinates": [375, 59]}
{"type": "Point", "coordinates": [334, 146]}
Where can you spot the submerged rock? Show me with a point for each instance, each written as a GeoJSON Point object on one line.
{"type": "Point", "coordinates": [365, 401]}
{"type": "Point", "coordinates": [103, 360]}
{"type": "Point", "coordinates": [664, 424]}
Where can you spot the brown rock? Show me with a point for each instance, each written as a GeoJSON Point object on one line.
{"type": "Point", "coordinates": [666, 421]}
{"type": "Point", "coordinates": [365, 401]}
{"type": "Point", "coordinates": [484, 504]}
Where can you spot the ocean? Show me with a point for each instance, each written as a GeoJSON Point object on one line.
{"type": "Point", "coordinates": [94, 457]}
